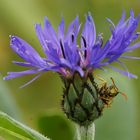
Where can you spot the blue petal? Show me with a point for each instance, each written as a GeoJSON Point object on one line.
{"type": "Point", "coordinates": [110, 21]}
{"type": "Point", "coordinates": [71, 54]}
{"type": "Point", "coordinates": [25, 51]}
{"type": "Point", "coordinates": [89, 32]}
{"type": "Point", "coordinates": [61, 30]}
{"type": "Point", "coordinates": [33, 79]}
{"type": "Point", "coordinates": [122, 20]}
{"type": "Point", "coordinates": [65, 63]}
{"type": "Point", "coordinates": [103, 52]}
{"type": "Point", "coordinates": [79, 69]}
{"type": "Point", "coordinates": [135, 46]}
{"type": "Point", "coordinates": [50, 33]}
{"type": "Point", "coordinates": [52, 54]}
{"type": "Point", "coordinates": [132, 13]}
{"type": "Point", "coordinates": [25, 64]}
{"type": "Point", "coordinates": [124, 66]}
{"type": "Point", "coordinates": [12, 75]}
{"type": "Point", "coordinates": [73, 30]}
{"type": "Point", "coordinates": [130, 57]}
{"type": "Point", "coordinates": [123, 72]}
{"type": "Point", "coordinates": [41, 36]}
{"type": "Point", "coordinates": [73, 27]}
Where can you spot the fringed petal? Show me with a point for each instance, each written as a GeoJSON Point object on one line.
{"type": "Point", "coordinates": [89, 32]}
{"type": "Point", "coordinates": [130, 57]}
{"type": "Point", "coordinates": [123, 72]}
{"type": "Point", "coordinates": [12, 75]}
{"type": "Point", "coordinates": [26, 52]}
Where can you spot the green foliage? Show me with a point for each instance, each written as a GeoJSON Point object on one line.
{"type": "Point", "coordinates": [7, 102]}
{"type": "Point", "coordinates": [56, 127]}
{"type": "Point", "coordinates": [10, 129]}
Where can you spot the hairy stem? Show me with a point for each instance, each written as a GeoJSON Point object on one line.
{"type": "Point", "coordinates": [85, 132]}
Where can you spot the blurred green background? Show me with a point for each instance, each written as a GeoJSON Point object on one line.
{"type": "Point", "coordinates": [38, 104]}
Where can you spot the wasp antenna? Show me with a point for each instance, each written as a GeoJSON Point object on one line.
{"type": "Point", "coordinates": [113, 82]}
{"type": "Point", "coordinates": [124, 95]}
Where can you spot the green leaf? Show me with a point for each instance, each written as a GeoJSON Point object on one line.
{"type": "Point", "coordinates": [9, 135]}
{"type": "Point", "coordinates": [119, 121]}
{"type": "Point", "coordinates": [10, 129]}
{"type": "Point", "coordinates": [7, 102]}
{"type": "Point", "coordinates": [56, 126]}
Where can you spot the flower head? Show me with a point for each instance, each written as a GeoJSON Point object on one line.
{"type": "Point", "coordinates": [65, 56]}
{"type": "Point", "coordinates": [83, 98]}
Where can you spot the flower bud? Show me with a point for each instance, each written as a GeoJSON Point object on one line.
{"type": "Point", "coordinates": [81, 102]}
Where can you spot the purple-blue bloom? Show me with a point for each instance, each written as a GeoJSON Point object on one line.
{"type": "Point", "coordinates": [65, 56]}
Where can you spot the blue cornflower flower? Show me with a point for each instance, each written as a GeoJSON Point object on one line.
{"type": "Point", "coordinates": [83, 98]}
{"type": "Point", "coordinates": [65, 56]}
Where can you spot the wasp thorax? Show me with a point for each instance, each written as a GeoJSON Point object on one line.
{"type": "Point", "coordinates": [81, 101]}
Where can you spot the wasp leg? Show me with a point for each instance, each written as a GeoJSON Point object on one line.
{"type": "Point", "coordinates": [104, 82]}
{"type": "Point", "coordinates": [101, 79]}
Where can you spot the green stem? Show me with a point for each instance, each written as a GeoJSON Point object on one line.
{"type": "Point", "coordinates": [86, 132]}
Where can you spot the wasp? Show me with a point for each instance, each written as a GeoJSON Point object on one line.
{"type": "Point", "coordinates": [107, 93]}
